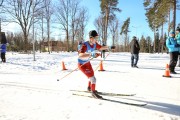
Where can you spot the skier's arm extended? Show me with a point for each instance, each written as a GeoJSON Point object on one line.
{"type": "Point", "coordinates": [104, 48]}
{"type": "Point", "coordinates": [84, 55]}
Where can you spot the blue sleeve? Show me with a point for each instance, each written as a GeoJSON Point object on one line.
{"type": "Point", "coordinates": [169, 43]}
{"type": "Point", "coordinates": [178, 38]}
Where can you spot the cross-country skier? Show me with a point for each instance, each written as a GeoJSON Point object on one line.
{"type": "Point", "coordinates": [85, 53]}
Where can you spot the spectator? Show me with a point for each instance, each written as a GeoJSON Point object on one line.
{"type": "Point", "coordinates": [173, 48]}
{"type": "Point", "coordinates": [135, 48]}
{"type": "Point", "coordinates": [178, 41]}
{"type": "Point", "coordinates": [3, 47]}
{"type": "Point", "coordinates": [3, 52]}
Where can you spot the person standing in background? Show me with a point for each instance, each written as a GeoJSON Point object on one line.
{"type": "Point", "coordinates": [173, 48]}
{"type": "Point", "coordinates": [3, 52]}
{"type": "Point", "coordinates": [135, 48]}
{"type": "Point", "coordinates": [177, 37]}
{"type": "Point", "coordinates": [3, 47]}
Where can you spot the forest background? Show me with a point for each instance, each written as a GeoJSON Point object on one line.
{"type": "Point", "coordinates": [58, 25]}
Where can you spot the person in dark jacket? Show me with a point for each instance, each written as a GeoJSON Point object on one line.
{"type": "Point", "coordinates": [134, 47]}
{"type": "Point", "coordinates": [103, 52]}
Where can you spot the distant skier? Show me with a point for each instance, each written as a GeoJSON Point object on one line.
{"type": "Point", "coordinates": [88, 50]}
{"type": "Point", "coordinates": [173, 47]}
{"type": "Point", "coordinates": [135, 48]}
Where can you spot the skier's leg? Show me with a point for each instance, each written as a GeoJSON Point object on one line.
{"type": "Point", "coordinates": [173, 61]}
{"type": "Point", "coordinates": [2, 57]}
{"type": "Point", "coordinates": [88, 71]}
{"type": "Point", "coordinates": [93, 88]}
{"type": "Point", "coordinates": [132, 60]}
{"type": "Point", "coordinates": [179, 60]}
{"type": "Point", "coordinates": [136, 56]}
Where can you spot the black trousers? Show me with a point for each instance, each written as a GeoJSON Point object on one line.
{"type": "Point", "coordinates": [103, 54]}
{"type": "Point", "coordinates": [3, 57]}
{"type": "Point", "coordinates": [179, 60]}
{"type": "Point", "coordinates": [173, 60]}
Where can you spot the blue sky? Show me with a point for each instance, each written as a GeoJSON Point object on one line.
{"type": "Point", "coordinates": [130, 8]}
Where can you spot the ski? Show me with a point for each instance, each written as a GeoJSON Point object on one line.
{"type": "Point", "coordinates": [133, 103]}
{"type": "Point", "coordinates": [106, 93]}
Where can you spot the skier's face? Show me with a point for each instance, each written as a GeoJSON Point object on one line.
{"type": "Point", "coordinates": [172, 35]}
{"type": "Point", "coordinates": [94, 39]}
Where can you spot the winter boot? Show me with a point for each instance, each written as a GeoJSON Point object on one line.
{"type": "Point", "coordinates": [135, 66]}
{"type": "Point", "coordinates": [95, 95]}
{"type": "Point", "coordinates": [94, 92]}
{"type": "Point", "coordinates": [89, 88]}
{"type": "Point", "coordinates": [173, 72]}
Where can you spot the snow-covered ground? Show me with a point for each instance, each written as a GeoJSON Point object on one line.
{"type": "Point", "coordinates": [30, 90]}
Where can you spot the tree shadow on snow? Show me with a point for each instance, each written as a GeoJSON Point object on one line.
{"type": "Point", "coordinates": [159, 106]}
{"type": "Point", "coordinates": [153, 68]}
{"type": "Point", "coordinates": [164, 107]}
{"type": "Point", "coordinates": [25, 65]}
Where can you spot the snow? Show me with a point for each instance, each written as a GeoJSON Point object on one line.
{"type": "Point", "coordinates": [36, 90]}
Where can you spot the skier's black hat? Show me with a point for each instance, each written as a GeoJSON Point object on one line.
{"type": "Point", "coordinates": [93, 33]}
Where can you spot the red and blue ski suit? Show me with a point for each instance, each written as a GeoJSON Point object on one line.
{"type": "Point", "coordinates": [85, 65]}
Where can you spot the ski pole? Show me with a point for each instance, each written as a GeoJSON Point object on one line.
{"type": "Point", "coordinates": [74, 70]}
{"type": "Point", "coordinates": [102, 60]}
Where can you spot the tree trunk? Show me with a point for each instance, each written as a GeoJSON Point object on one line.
{"type": "Point", "coordinates": [174, 15]}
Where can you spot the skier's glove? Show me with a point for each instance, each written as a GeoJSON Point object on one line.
{"type": "Point", "coordinates": [95, 55]}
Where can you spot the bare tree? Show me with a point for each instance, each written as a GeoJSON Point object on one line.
{"type": "Point", "coordinates": [62, 14]}
{"type": "Point", "coordinates": [71, 17]}
{"type": "Point", "coordinates": [48, 13]}
{"type": "Point", "coordinates": [100, 26]}
{"type": "Point", "coordinates": [20, 12]}
{"type": "Point", "coordinates": [1, 2]}
{"type": "Point", "coordinates": [82, 18]}
{"type": "Point", "coordinates": [74, 20]}
{"type": "Point", "coordinates": [114, 25]}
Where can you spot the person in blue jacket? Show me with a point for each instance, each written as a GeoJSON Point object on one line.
{"type": "Point", "coordinates": [3, 46]}
{"type": "Point", "coordinates": [3, 52]}
{"type": "Point", "coordinates": [178, 41]}
{"type": "Point", "coordinates": [173, 48]}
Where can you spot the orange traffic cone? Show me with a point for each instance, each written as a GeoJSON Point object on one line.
{"type": "Point", "coordinates": [63, 66]}
{"type": "Point", "coordinates": [167, 71]}
{"type": "Point", "coordinates": [101, 66]}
